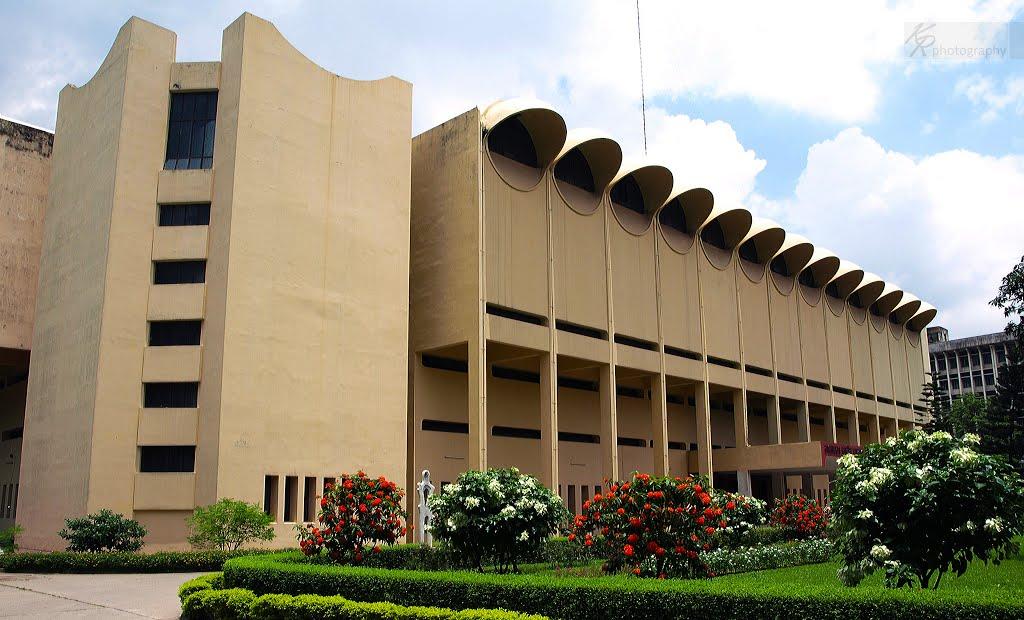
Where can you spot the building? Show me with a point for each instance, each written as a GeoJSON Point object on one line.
{"type": "Point", "coordinates": [582, 318]}
{"type": "Point", "coordinates": [967, 365]}
{"type": "Point", "coordinates": [230, 303]}
{"type": "Point", "coordinates": [24, 176]}
{"type": "Point", "coordinates": [222, 306]}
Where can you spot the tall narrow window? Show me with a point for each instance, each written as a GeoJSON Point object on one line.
{"type": "Point", "coordinates": [270, 496]}
{"type": "Point", "coordinates": [291, 498]}
{"type": "Point", "coordinates": [309, 505]}
{"type": "Point", "coordinates": [191, 130]}
{"type": "Point", "coordinates": [179, 272]}
{"type": "Point", "coordinates": [174, 333]}
{"type": "Point", "coordinates": [185, 215]}
{"type": "Point", "coordinates": [164, 459]}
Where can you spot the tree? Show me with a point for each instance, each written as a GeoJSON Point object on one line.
{"type": "Point", "coordinates": [967, 414]}
{"type": "Point", "coordinates": [935, 399]}
{"type": "Point", "coordinates": [228, 525]}
{"type": "Point", "coordinates": [920, 505]}
{"type": "Point", "coordinates": [103, 531]}
{"type": "Point", "coordinates": [1010, 300]}
{"type": "Point", "coordinates": [1006, 429]}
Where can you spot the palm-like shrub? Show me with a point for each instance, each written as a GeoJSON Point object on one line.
{"type": "Point", "coordinates": [498, 516]}
{"type": "Point", "coordinates": [103, 531]}
{"type": "Point", "coordinates": [920, 505]}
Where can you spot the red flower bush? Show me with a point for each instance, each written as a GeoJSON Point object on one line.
{"type": "Point", "coordinates": [656, 526]}
{"type": "Point", "coordinates": [355, 512]}
{"type": "Point", "coordinates": [800, 517]}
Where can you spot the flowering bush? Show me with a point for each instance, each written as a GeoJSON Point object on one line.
{"type": "Point", "coordinates": [498, 515]}
{"type": "Point", "coordinates": [355, 511]}
{"type": "Point", "coordinates": [746, 559]}
{"type": "Point", "coordinates": [920, 505]}
{"type": "Point", "coordinates": [800, 517]}
{"type": "Point", "coordinates": [749, 512]}
{"type": "Point", "coordinates": [656, 526]}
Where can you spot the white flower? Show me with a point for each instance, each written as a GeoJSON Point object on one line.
{"type": "Point", "coordinates": [940, 436]}
{"type": "Point", "coordinates": [972, 439]}
{"type": "Point", "coordinates": [880, 552]}
{"type": "Point", "coordinates": [540, 508]}
{"type": "Point", "coordinates": [866, 487]}
{"type": "Point", "coordinates": [452, 488]}
{"type": "Point", "coordinates": [451, 523]}
{"type": "Point", "coordinates": [848, 461]}
{"type": "Point", "coordinates": [472, 502]}
{"type": "Point", "coordinates": [891, 441]}
{"type": "Point", "coordinates": [969, 526]}
{"type": "Point", "coordinates": [994, 525]}
{"type": "Point", "coordinates": [880, 475]}
{"type": "Point", "coordinates": [865, 514]}
{"type": "Point", "coordinates": [508, 510]}
{"type": "Point", "coordinates": [525, 536]}
{"type": "Point", "coordinates": [916, 444]}
{"type": "Point", "coordinates": [963, 455]}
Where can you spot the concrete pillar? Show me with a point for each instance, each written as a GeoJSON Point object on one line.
{"type": "Point", "coordinates": [853, 428]}
{"type": "Point", "coordinates": [774, 421]}
{"type": "Point", "coordinates": [659, 424]}
{"type": "Point", "coordinates": [874, 429]}
{"type": "Point", "coordinates": [803, 421]}
{"type": "Point", "coordinates": [743, 486]}
{"type": "Point", "coordinates": [778, 484]}
{"type": "Point", "coordinates": [702, 399]}
{"type": "Point", "coordinates": [739, 416]}
{"type": "Point", "coordinates": [830, 423]}
{"type": "Point", "coordinates": [609, 424]}
{"type": "Point", "coordinates": [549, 420]}
{"type": "Point", "coordinates": [476, 450]}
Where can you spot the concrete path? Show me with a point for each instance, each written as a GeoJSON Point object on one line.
{"type": "Point", "coordinates": [91, 596]}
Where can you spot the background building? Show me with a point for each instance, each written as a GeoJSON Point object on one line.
{"type": "Point", "coordinates": [222, 307]}
{"type": "Point", "coordinates": [24, 176]}
{"type": "Point", "coordinates": [582, 318]}
{"type": "Point", "coordinates": [967, 365]}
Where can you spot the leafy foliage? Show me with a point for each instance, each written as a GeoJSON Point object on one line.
{"type": "Point", "coordinates": [120, 562]}
{"type": "Point", "coordinates": [800, 517]}
{"type": "Point", "coordinates": [935, 399]}
{"type": "Point", "coordinates": [228, 525]}
{"type": "Point", "coordinates": [355, 512]}
{"type": "Point", "coordinates": [746, 559]}
{"type": "Point", "coordinates": [654, 525]}
{"type": "Point", "coordinates": [920, 505]}
{"type": "Point", "coordinates": [967, 414]}
{"type": "Point", "coordinates": [103, 531]}
{"type": "Point", "coordinates": [500, 516]}
{"type": "Point", "coordinates": [8, 538]}
{"type": "Point", "coordinates": [1010, 299]}
{"type": "Point", "coordinates": [749, 513]}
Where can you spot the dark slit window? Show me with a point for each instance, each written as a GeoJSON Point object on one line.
{"type": "Point", "coordinates": [574, 170]}
{"type": "Point", "coordinates": [174, 333]}
{"type": "Point", "coordinates": [627, 194]}
{"type": "Point", "coordinates": [748, 252]}
{"type": "Point", "coordinates": [179, 272]}
{"type": "Point", "coordinates": [779, 266]}
{"type": "Point", "coordinates": [185, 215]}
{"type": "Point", "coordinates": [190, 131]}
{"type": "Point", "coordinates": [165, 459]}
{"type": "Point", "coordinates": [713, 234]}
{"type": "Point", "coordinates": [184, 394]}
{"type": "Point", "coordinates": [673, 216]}
{"type": "Point", "coordinates": [512, 139]}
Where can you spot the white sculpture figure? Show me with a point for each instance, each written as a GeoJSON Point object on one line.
{"type": "Point", "coordinates": [426, 489]}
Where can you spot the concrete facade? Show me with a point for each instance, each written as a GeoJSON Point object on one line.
{"type": "Point", "coordinates": [301, 367]}
{"type": "Point", "coordinates": [967, 365]}
{"type": "Point", "coordinates": [24, 176]}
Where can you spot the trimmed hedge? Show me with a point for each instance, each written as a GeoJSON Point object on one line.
{"type": "Point", "coordinates": [160, 562]}
{"type": "Point", "coordinates": [572, 598]}
{"type": "Point", "coordinates": [201, 599]}
{"type": "Point", "coordinates": [743, 560]}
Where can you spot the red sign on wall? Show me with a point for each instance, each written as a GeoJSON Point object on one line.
{"type": "Point", "coordinates": [831, 451]}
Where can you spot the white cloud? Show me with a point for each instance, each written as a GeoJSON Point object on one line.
{"type": "Point", "coordinates": [947, 226]}
{"type": "Point", "coordinates": [989, 98]}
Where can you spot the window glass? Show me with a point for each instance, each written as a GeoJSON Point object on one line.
{"type": "Point", "coordinates": [191, 131]}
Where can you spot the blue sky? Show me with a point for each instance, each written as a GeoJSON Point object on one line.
{"type": "Point", "coordinates": [805, 112]}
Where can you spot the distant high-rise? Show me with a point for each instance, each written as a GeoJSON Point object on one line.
{"type": "Point", "coordinates": [967, 365]}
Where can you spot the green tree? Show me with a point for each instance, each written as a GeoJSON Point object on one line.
{"type": "Point", "coordinates": [1005, 431]}
{"type": "Point", "coordinates": [228, 525]}
{"type": "Point", "coordinates": [1010, 300]}
{"type": "Point", "coordinates": [935, 399]}
{"type": "Point", "coordinates": [103, 531]}
{"type": "Point", "coordinates": [967, 414]}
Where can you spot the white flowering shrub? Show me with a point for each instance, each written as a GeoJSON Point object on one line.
{"type": "Point", "coordinates": [921, 505]}
{"type": "Point", "coordinates": [745, 513]}
{"type": "Point", "coordinates": [498, 516]}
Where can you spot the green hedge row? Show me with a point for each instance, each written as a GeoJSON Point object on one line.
{"type": "Point", "coordinates": [747, 559]}
{"type": "Point", "coordinates": [572, 598]}
{"type": "Point", "coordinates": [160, 562]}
{"type": "Point", "coordinates": [202, 599]}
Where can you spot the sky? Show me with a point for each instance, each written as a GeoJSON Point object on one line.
{"type": "Point", "coordinates": [818, 115]}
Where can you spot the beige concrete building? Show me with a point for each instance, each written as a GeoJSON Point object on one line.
{"type": "Point", "coordinates": [230, 303]}
{"type": "Point", "coordinates": [222, 306]}
{"type": "Point", "coordinates": [582, 318]}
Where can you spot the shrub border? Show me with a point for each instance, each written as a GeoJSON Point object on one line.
{"type": "Point", "coordinates": [118, 562]}
{"type": "Point", "coordinates": [574, 598]}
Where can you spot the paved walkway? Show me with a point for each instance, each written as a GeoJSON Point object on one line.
{"type": "Point", "coordinates": [91, 596]}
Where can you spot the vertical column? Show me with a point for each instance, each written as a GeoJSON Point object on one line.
{"type": "Point", "coordinates": [874, 430]}
{"type": "Point", "coordinates": [830, 423]}
{"type": "Point", "coordinates": [739, 416]}
{"type": "Point", "coordinates": [476, 450]}
{"type": "Point", "coordinates": [702, 399]}
{"type": "Point", "coordinates": [803, 421]}
{"type": "Point", "coordinates": [609, 423]}
{"type": "Point", "coordinates": [774, 420]}
{"type": "Point", "coordinates": [659, 424]}
{"type": "Point", "coordinates": [743, 486]}
{"type": "Point", "coordinates": [549, 420]}
{"type": "Point", "coordinates": [853, 428]}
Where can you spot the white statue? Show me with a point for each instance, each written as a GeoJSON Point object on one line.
{"type": "Point", "coordinates": [426, 489]}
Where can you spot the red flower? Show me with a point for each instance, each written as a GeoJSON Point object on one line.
{"type": "Point", "coordinates": [632, 538]}
{"type": "Point", "coordinates": [628, 550]}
